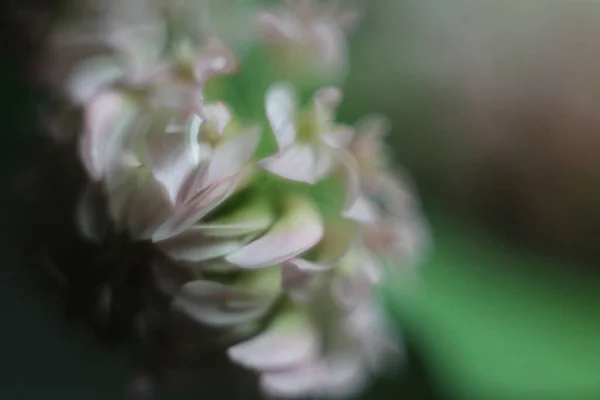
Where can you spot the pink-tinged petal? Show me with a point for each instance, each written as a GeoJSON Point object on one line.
{"type": "Point", "coordinates": [218, 305]}
{"type": "Point", "coordinates": [339, 136]}
{"type": "Point", "coordinates": [192, 185]}
{"type": "Point", "coordinates": [329, 44]}
{"type": "Point", "coordinates": [188, 214]}
{"type": "Point", "coordinates": [177, 95]}
{"type": "Point", "coordinates": [362, 210]}
{"type": "Point", "coordinates": [173, 156]}
{"type": "Point", "coordinates": [299, 279]}
{"type": "Point", "coordinates": [396, 191]}
{"type": "Point", "coordinates": [280, 106]}
{"type": "Point", "coordinates": [373, 128]}
{"type": "Point", "coordinates": [357, 274]}
{"type": "Point", "coordinates": [345, 375]}
{"type": "Point", "coordinates": [372, 268]}
{"type": "Point", "coordinates": [215, 59]}
{"type": "Point", "coordinates": [231, 156]}
{"type": "Point", "coordinates": [328, 98]}
{"type": "Point", "coordinates": [119, 192]}
{"type": "Point", "coordinates": [352, 177]}
{"type": "Point", "coordinates": [123, 167]}
{"type": "Point", "coordinates": [148, 76]}
{"type": "Point", "coordinates": [356, 207]}
{"type": "Point", "coordinates": [254, 216]}
{"type": "Point", "coordinates": [278, 27]}
{"type": "Point", "coordinates": [289, 340]}
{"type": "Point", "coordinates": [377, 340]}
{"type": "Point", "coordinates": [300, 382]}
{"type": "Point", "coordinates": [91, 76]}
{"type": "Point", "coordinates": [300, 275]}
{"type": "Point", "coordinates": [304, 265]}
{"type": "Point", "coordinates": [351, 289]}
{"type": "Point", "coordinates": [217, 116]}
{"type": "Point", "coordinates": [193, 246]}
{"type": "Point", "coordinates": [299, 228]}
{"type": "Point", "coordinates": [92, 219]}
{"type": "Point", "coordinates": [318, 378]}
{"type": "Point", "coordinates": [297, 163]}
{"type": "Point", "coordinates": [107, 118]}
{"type": "Point", "coordinates": [274, 350]}
{"type": "Point", "coordinates": [148, 208]}
{"type": "Point", "coordinates": [141, 44]}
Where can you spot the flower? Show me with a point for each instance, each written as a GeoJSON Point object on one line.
{"type": "Point", "coordinates": [268, 231]}
{"type": "Point", "coordinates": [309, 33]}
{"type": "Point", "coordinates": [120, 39]}
{"type": "Point", "coordinates": [307, 140]}
{"type": "Point", "coordinates": [393, 224]}
{"type": "Point", "coordinates": [129, 42]}
{"type": "Point", "coordinates": [259, 247]}
{"type": "Point", "coordinates": [329, 346]}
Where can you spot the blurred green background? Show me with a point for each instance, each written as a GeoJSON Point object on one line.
{"type": "Point", "coordinates": [493, 316]}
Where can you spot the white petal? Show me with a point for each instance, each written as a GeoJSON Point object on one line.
{"type": "Point", "coordinates": [328, 98]}
{"type": "Point", "coordinates": [148, 208]}
{"type": "Point", "coordinates": [188, 214]}
{"type": "Point", "coordinates": [191, 129]}
{"type": "Point", "coordinates": [289, 340]}
{"type": "Point", "coordinates": [274, 350]}
{"type": "Point", "coordinates": [217, 116]}
{"type": "Point", "coordinates": [173, 156]}
{"type": "Point", "coordinates": [299, 280]}
{"type": "Point", "coordinates": [280, 105]}
{"type": "Point", "coordinates": [92, 219]}
{"type": "Point", "coordinates": [296, 383]}
{"type": "Point", "coordinates": [330, 45]}
{"type": "Point", "coordinates": [304, 265]}
{"type": "Point", "coordinates": [297, 163]}
{"type": "Point", "coordinates": [107, 119]}
{"type": "Point", "coordinates": [277, 27]}
{"type": "Point", "coordinates": [192, 185]}
{"type": "Point", "coordinates": [351, 289]}
{"type": "Point", "coordinates": [361, 210]}
{"type": "Point", "coordinates": [298, 229]}
{"type": "Point", "coordinates": [91, 76]}
{"type": "Point", "coordinates": [147, 76]}
{"type": "Point", "coordinates": [205, 302]}
{"type": "Point", "coordinates": [193, 246]}
{"type": "Point", "coordinates": [325, 162]}
{"type": "Point", "coordinates": [373, 128]}
{"type": "Point", "coordinates": [356, 206]}
{"type": "Point", "coordinates": [345, 376]}
{"type": "Point", "coordinates": [215, 59]}
{"type": "Point", "coordinates": [119, 191]}
{"type": "Point", "coordinates": [325, 377]}
{"type": "Point", "coordinates": [339, 136]}
{"type": "Point", "coordinates": [142, 44]}
{"type": "Point", "coordinates": [253, 216]}
{"type": "Point", "coordinates": [177, 95]}
{"type": "Point", "coordinates": [230, 157]}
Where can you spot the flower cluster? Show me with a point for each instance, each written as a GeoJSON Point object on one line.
{"type": "Point", "coordinates": [272, 229]}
